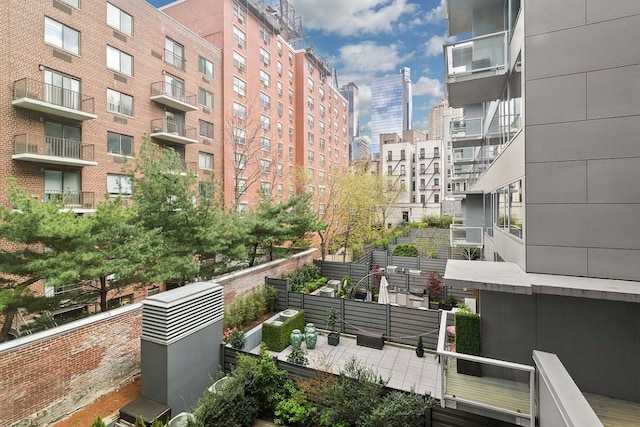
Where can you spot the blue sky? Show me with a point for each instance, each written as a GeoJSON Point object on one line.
{"type": "Point", "coordinates": [366, 39]}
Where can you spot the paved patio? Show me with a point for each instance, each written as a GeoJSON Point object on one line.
{"type": "Point", "coordinates": [397, 363]}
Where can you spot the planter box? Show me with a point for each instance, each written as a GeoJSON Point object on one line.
{"type": "Point", "coordinates": [376, 342]}
{"type": "Point", "coordinates": [333, 338]}
{"type": "Point", "coordinates": [468, 367]}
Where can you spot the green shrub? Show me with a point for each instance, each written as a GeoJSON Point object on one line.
{"type": "Point", "coordinates": [157, 423]}
{"type": "Point", "coordinates": [243, 310]}
{"type": "Point", "coordinates": [298, 356]}
{"type": "Point", "coordinates": [139, 422]}
{"type": "Point", "coordinates": [235, 337]}
{"type": "Point", "coordinates": [439, 221]}
{"type": "Point", "coordinates": [405, 250]}
{"type": "Point", "coordinates": [231, 406]}
{"type": "Point", "coordinates": [276, 337]}
{"type": "Point", "coordinates": [98, 423]}
{"type": "Point", "coordinates": [399, 409]}
{"type": "Point", "coordinates": [467, 332]}
{"type": "Point", "coordinates": [306, 273]}
{"type": "Point", "coordinates": [295, 409]}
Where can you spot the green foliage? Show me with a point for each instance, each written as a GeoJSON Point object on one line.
{"type": "Point", "coordinates": [439, 221]}
{"type": "Point", "coordinates": [231, 406]}
{"type": "Point", "coordinates": [418, 225]}
{"type": "Point", "coordinates": [139, 422]}
{"type": "Point", "coordinates": [157, 423]}
{"type": "Point", "coordinates": [405, 250]}
{"type": "Point", "coordinates": [295, 409]}
{"type": "Point", "coordinates": [98, 423]}
{"type": "Point", "coordinates": [241, 311]}
{"type": "Point", "coordinates": [399, 409]}
{"type": "Point", "coordinates": [383, 242]}
{"type": "Point", "coordinates": [276, 337]}
{"type": "Point", "coordinates": [331, 319]}
{"type": "Point", "coordinates": [350, 399]}
{"type": "Point", "coordinates": [298, 356]}
{"type": "Point", "coordinates": [434, 285]}
{"type": "Point", "coordinates": [467, 332]}
{"type": "Point", "coordinates": [305, 274]}
{"type": "Point", "coordinates": [235, 337]}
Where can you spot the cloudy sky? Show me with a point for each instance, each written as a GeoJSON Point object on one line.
{"type": "Point", "coordinates": [365, 39]}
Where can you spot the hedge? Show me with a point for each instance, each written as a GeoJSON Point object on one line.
{"type": "Point", "coordinates": [467, 333]}
{"type": "Point", "coordinates": [276, 337]}
{"type": "Point", "coordinates": [405, 250]}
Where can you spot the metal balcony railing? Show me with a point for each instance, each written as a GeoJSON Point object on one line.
{"type": "Point", "coordinates": [72, 199]}
{"type": "Point", "coordinates": [481, 53]}
{"type": "Point", "coordinates": [173, 92]}
{"type": "Point", "coordinates": [54, 96]}
{"type": "Point", "coordinates": [169, 127]}
{"type": "Point", "coordinates": [52, 146]}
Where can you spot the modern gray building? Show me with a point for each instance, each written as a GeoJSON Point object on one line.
{"type": "Point", "coordinates": [391, 105]}
{"type": "Point", "coordinates": [552, 200]}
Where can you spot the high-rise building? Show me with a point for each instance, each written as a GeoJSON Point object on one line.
{"type": "Point", "coordinates": [282, 108]}
{"type": "Point", "coordinates": [350, 93]}
{"type": "Point", "coordinates": [439, 119]}
{"type": "Point", "coordinates": [549, 139]}
{"type": "Point", "coordinates": [391, 105]}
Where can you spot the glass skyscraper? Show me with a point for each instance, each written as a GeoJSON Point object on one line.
{"type": "Point", "coordinates": [391, 106]}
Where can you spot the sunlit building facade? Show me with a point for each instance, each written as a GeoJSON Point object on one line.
{"type": "Point", "coordinates": [391, 105]}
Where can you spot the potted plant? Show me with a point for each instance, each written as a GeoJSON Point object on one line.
{"type": "Point", "coordinates": [334, 336]}
{"type": "Point", "coordinates": [420, 347]}
{"type": "Point", "coordinates": [449, 302]}
{"type": "Point", "coordinates": [434, 285]}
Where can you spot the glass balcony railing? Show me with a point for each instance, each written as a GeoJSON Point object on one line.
{"type": "Point", "coordinates": [467, 128]}
{"type": "Point", "coordinates": [477, 54]}
{"type": "Point", "coordinates": [459, 235]}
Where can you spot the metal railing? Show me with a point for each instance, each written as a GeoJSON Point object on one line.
{"type": "Point", "coordinates": [72, 199]}
{"type": "Point", "coordinates": [466, 128]}
{"type": "Point", "coordinates": [481, 392]}
{"type": "Point", "coordinates": [173, 91]}
{"type": "Point", "coordinates": [460, 235]}
{"type": "Point", "coordinates": [173, 128]}
{"type": "Point", "coordinates": [51, 94]}
{"type": "Point", "coordinates": [52, 146]}
{"type": "Point", "coordinates": [477, 54]}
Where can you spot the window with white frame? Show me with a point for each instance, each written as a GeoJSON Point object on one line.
{"type": "Point", "coordinates": [205, 129]}
{"type": "Point", "coordinates": [321, 175]}
{"type": "Point", "coordinates": [241, 161]}
{"type": "Point", "coordinates": [291, 153]}
{"type": "Point", "coordinates": [310, 120]}
{"type": "Point", "coordinates": [205, 161]}
{"type": "Point", "coordinates": [280, 108]}
{"type": "Point", "coordinates": [173, 53]}
{"type": "Point", "coordinates": [239, 86]}
{"type": "Point", "coordinates": [279, 68]}
{"type": "Point", "coordinates": [321, 126]}
{"type": "Point", "coordinates": [279, 86]}
{"type": "Point", "coordinates": [321, 109]}
{"type": "Point", "coordinates": [119, 184]}
{"type": "Point", "coordinates": [310, 173]}
{"type": "Point", "coordinates": [239, 61]}
{"type": "Point", "coordinates": [265, 56]}
{"type": "Point", "coordinates": [310, 156]}
{"type": "Point", "coordinates": [291, 115]}
{"type": "Point", "coordinates": [73, 3]}
{"type": "Point", "coordinates": [241, 185]}
{"type": "Point", "coordinates": [310, 84]}
{"type": "Point", "coordinates": [239, 136]}
{"type": "Point", "coordinates": [265, 165]}
{"type": "Point", "coordinates": [290, 134]}
{"type": "Point", "coordinates": [62, 89]}
{"type": "Point", "coordinates": [265, 122]}
{"type": "Point", "coordinates": [265, 100]}
{"type": "Point", "coordinates": [265, 35]}
{"type": "Point", "coordinates": [291, 95]}
{"type": "Point", "coordinates": [311, 138]}
{"type": "Point", "coordinates": [239, 37]}
{"type": "Point", "coordinates": [280, 148]}
{"type": "Point", "coordinates": [321, 160]}
{"type": "Point", "coordinates": [265, 78]}
{"type": "Point", "coordinates": [265, 144]}
{"type": "Point", "coordinates": [321, 92]}
{"type": "Point", "coordinates": [61, 36]}
{"type": "Point", "coordinates": [310, 102]}
{"type": "Point", "coordinates": [290, 76]}
{"type": "Point", "coordinates": [205, 98]}
{"type": "Point", "coordinates": [119, 19]}
{"type": "Point", "coordinates": [240, 11]}
{"type": "Point", "coordinates": [279, 169]}
{"type": "Point", "coordinates": [205, 67]}
{"type": "Point", "coordinates": [321, 143]}
{"type": "Point", "coordinates": [279, 127]}
{"type": "Point", "coordinates": [118, 102]}
{"type": "Point", "coordinates": [118, 144]}
{"type": "Point", "coordinates": [239, 111]}
{"type": "Point", "coordinates": [265, 187]}
{"type": "Point", "coordinates": [280, 187]}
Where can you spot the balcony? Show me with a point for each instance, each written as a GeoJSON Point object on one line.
{"type": "Point", "coordinates": [72, 199]}
{"type": "Point", "coordinates": [476, 69]}
{"type": "Point", "coordinates": [169, 131]}
{"type": "Point", "coordinates": [466, 132]}
{"type": "Point", "coordinates": [55, 100]}
{"type": "Point", "coordinates": [50, 150]}
{"type": "Point", "coordinates": [173, 96]}
{"type": "Point", "coordinates": [461, 236]}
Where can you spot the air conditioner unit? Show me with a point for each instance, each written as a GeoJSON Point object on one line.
{"type": "Point", "coordinates": [391, 269]}
{"type": "Point", "coordinates": [327, 292]}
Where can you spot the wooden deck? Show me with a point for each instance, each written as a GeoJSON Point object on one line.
{"type": "Point", "coordinates": [614, 412]}
{"type": "Point", "coordinates": [504, 394]}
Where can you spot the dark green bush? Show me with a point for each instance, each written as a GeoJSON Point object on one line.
{"type": "Point", "coordinates": [399, 409]}
{"type": "Point", "coordinates": [276, 337]}
{"type": "Point", "coordinates": [231, 406]}
{"type": "Point", "coordinates": [405, 250]}
{"type": "Point", "coordinates": [439, 221]}
{"type": "Point", "coordinates": [98, 423]}
{"type": "Point", "coordinates": [306, 273]}
{"type": "Point", "coordinates": [467, 332]}
{"type": "Point", "coordinates": [295, 409]}
{"type": "Point", "coordinates": [243, 310]}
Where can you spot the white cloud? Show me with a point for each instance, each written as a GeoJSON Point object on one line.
{"type": "Point", "coordinates": [436, 14]}
{"type": "Point", "coordinates": [369, 58]}
{"type": "Point", "coordinates": [433, 47]}
{"type": "Point", "coordinates": [352, 17]}
{"type": "Point", "coordinates": [426, 86]}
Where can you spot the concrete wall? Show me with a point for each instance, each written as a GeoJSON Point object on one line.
{"type": "Point", "coordinates": [597, 341]}
{"type": "Point", "coordinates": [582, 77]}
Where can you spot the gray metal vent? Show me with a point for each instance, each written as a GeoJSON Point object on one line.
{"type": "Point", "coordinates": [170, 316]}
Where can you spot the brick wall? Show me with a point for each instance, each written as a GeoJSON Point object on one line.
{"type": "Point", "coordinates": [47, 375]}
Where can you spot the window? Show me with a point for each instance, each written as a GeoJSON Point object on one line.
{"type": "Point", "coordinates": [241, 161]}
{"type": "Point", "coordinates": [205, 189]}
{"type": "Point", "coordinates": [239, 86]}
{"type": "Point", "coordinates": [279, 67]}
{"type": "Point", "coordinates": [402, 170]}
{"type": "Point", "coordinates": [291, 76]}
{"type": "Point", "coordinates": [239, 11]}
{"type": "Point", "coordinates": [265, 78]}
{"type": "Point", "coordinates": [436, 198]}
{"type": "Point", "coordinates": [63, 140]}
{"type": "Point", "coordinates": [389, 156]}
{"type": "Point", "coordinates": [265, 165]}
{"type": "Point", "coordinates": [279, 45]}
{"type": "Point", "coordinates": [265, 144]}
{"type": "Point", "coordinates": [321, 125]}
{"type": "Point", "coordinates": [280, 108]}
{"type": "Point", "coordinates": [265, 100]}
{"type": "Point", "coordinates": [310, 120]}
{"type": "Point", "coordinates": [280, 186]}
{"type": "Point", "coordinates": [174, 53]}
{"type": "Point", "coordinates": [423, 199]}
{"type": "Point", "coordinates": [291, 115]}
{"type": "Point", "coordinates": [310, 156]}
{"type": "Point", "coordinates": [174, 86]}
{"type": "Point", "coordinates": [436, 181]}
{"type": "Point", "coordinates": [321, 176]}
{"type": "Point", "coordinates": [321, 92]}
{"type": "Point", "coordinates": [205, 67]}
{"type": "Point", "coordinates": [239, 61]}
{"type": "Point", "coordinates": [279, 86]}
{"type": "Point", "coordinates": [290, 134]}
{"type": "Point", "coordinates": [264, 35]}
{"type": "Point", "coordinates": [118, 184]}
{"type": "Point", "coordinates": [239, 37]}
{"type": "Point", "coordinates": [422, 153]}
{"type": "Point", "coordinates": [61, 89]}
{"type": "Point", "coordinates": [239, 136]}
{"type": "Point", "coordinates": [279, 127]}
{"type": "Point", "coordinates": [291, 95]}
{"type": "Point", "coordinates": [205, 98]}
{"type": "Point", "coordinates": [321, 160]}
{"type": "Point", "coordinates": [280, 148]}
{"type": "Point", "coordinates": [205, 129]}
{"type": "Point", "coordinates": [436, 167]}
{"type": "Point", "coordinates": [74, 3]}
{"type": "Point", "coordinates": [290, 152]}
{"type": "Point", "coordinates": [119, 20]}
{"type": "Point", "coordinates": [436, 152]}
{"type": "Point", "coordinates": [265, 56]}
{"type": "Point", "coordinates": [321, 142]}
{"type": "Point", "coordinates": [205, 161]}
{"type": "Point", "coordinates": [239, 111]}
{"type": "Point", "coordinates": [265, 122]}
{"type": "Point", "coordinates": [321, 109]}
{"type": "Point", "coordinates": [119, 144]}
{"type": "Point", "coordinates": [310, 84]}
{"type": "Point", "coordinates": [59, 35]}
{"type": "Point", "coordinates": [265, 187]}
{"type": "Point", "coordinates": [118, 102]}
{"type": "Point", "coordinates": [119, 61]}
{"type": "Point", "coordinates": [311, 138]}
{"type": "Point", "coordinates": [310, 102]}
{"type": "Point", "coordinates": [241, 186]}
